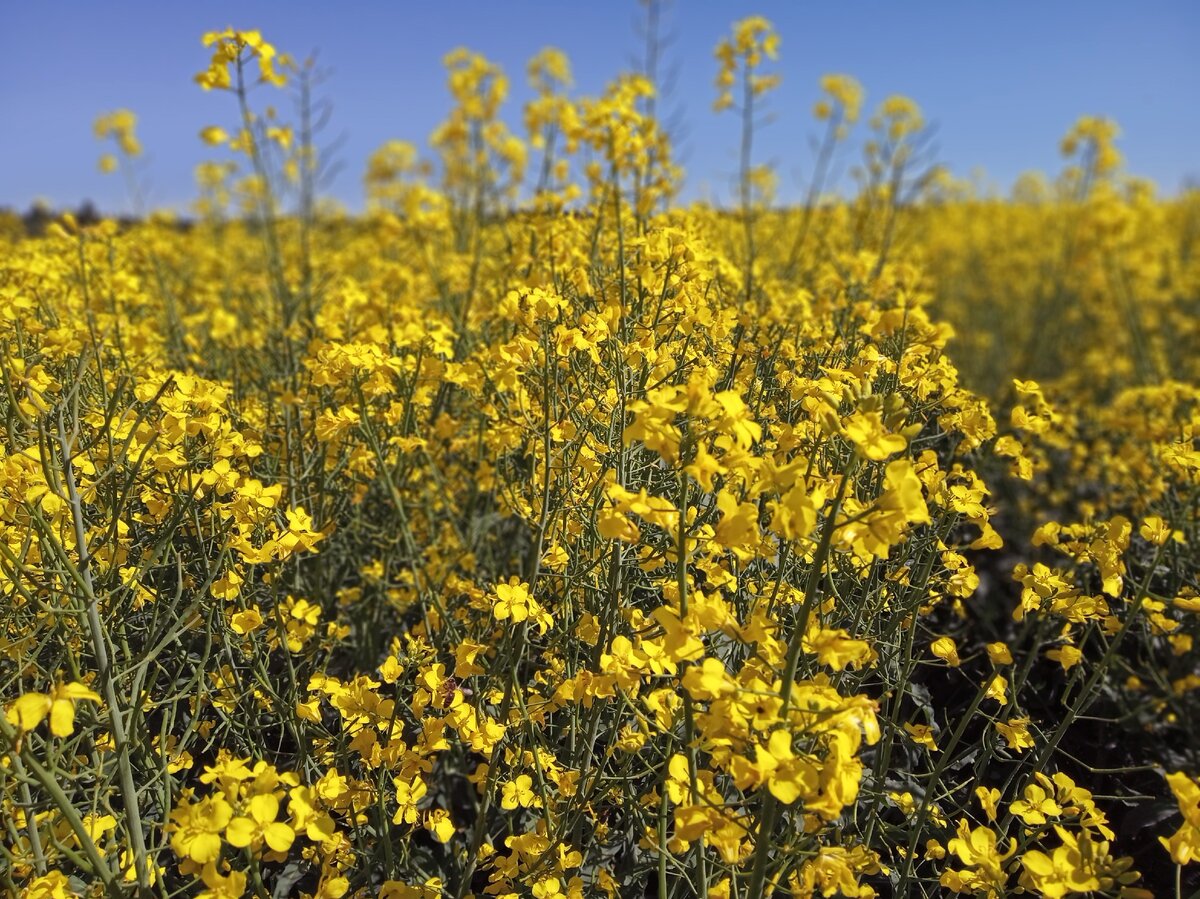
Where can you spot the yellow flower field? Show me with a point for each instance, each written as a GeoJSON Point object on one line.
{"type": "Point", "coordinates": [537, 535]}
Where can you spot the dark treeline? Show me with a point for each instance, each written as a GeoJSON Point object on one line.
{"type": "Point", "coordinates": [34, 220]}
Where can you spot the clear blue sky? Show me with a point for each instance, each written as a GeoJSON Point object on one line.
{"type": "Point", "coordinates": [1002, 81]}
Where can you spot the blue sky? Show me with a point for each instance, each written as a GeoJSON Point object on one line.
{"type": "Point", "coordinates": [1002, 81]}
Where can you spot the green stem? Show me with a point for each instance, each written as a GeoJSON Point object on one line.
{"type": "Point", "coordinates": [770, 805]}
{"type": "Point", "coordinates": [98, 639]}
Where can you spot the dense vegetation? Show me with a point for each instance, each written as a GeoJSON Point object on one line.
{"type": "Point", "coordinates": [535, 535]}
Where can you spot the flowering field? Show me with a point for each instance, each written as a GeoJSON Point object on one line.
{"type": "Point", "coordinates": [537, 535]}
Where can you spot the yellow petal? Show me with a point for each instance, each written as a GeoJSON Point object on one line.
{"type": "Point", "coordinates": [205, 848]}
{"type": "Point", "coordinates": [62, 717]}
{"type": "Point", "coordinates": [786, 791]}
{"type": "Point", "coordinates": [264, 808]}
{"type": "Point", "coordinates": [76, 691]}
{"type": "Point", "coordinates": [240, 833]}
{"type": "Point", "coordinates": [443, 830]}
{"type": "Point", "coordinates": [28, 710]}
{"type": "Point", "coordinates": [279, 836]}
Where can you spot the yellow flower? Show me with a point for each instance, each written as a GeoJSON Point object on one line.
{"type": "Point", "coordinates": [988, 797]}
{"type": "Point", "coordinates": [97, 825]}
{"type": "Point", "coordinates": [299, 535]}
{"type": "Point", "coordinates": [833, 872]}
{"type": "Point", "coordinates": [245, 621]}
{"type": "Point", "coordinates": [512, 602]}
{"type": "Point", "coordinates": [737, 528]}
{"type": "Point", "coordinates": [978, 849]}
{"type": "Point", "coordinates": [678, 781]}
{"type": "Point", "coordinates": [837, 649]}
{"type": "Point", "coordinates": [788, 777]}
{"type": "Point", "coordinates": [997, 689]}
{"type": "Point", "coordinates": [708, 680]}
{"type": "Point", "coordinates": [1184, 844]}
{"type": "Point", "coordinates": [1068, 656]}
{"type": "Point", "coordinates": [196, 828]}
{"type": "Point", "coordinates": [408, 794]}
{"type": "Point", "coordinates": [519, 793]}
{"type": "Point", "coordinates": [999, 654]}
{"type": "Point", "coordinates": [946, 649]}
{"type": "Point", "coordinates": [794, 516]}
{"type": "Point", "coordinates": [1070, 868]}
{"type": "Point", "coordinates": [30, 709]}
{"type": "Point", "coordinates": [867, 431]}
{"type": "Point", "coordinates": [1187, 603]}
{"type": "Point", "coordinates": [259, 824]}
{"type": "Point", "coordinates": [119, 125]}
{"type": "Point", "coordinates": [229, 46]}
{"type": "Point", "coordinates": [53, 885]}
{"type": "Point", "coordinates": [1016, 733]}
{"type": "Point", "coordinates": [905, 801]}
{"type": "Point", "coordinates": [844, 91]}
{"type": "Point", "coordinates": [438, 823]}
{"type": "Point", "coordinates": [308, 817]}
{"type": "Point", "coordinates": [1035, 805]}
{"type": "Point", "coordinates": [214, 135]}
{"type": "Point", "coordinates": [229, 886]}
{"type": "Point", "coordinates": [922, 735]}
{"type": "Point", "coordinates": [612, 524]}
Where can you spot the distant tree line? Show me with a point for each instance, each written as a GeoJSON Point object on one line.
{"type": "Point", "coordinates": [34, 220]}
